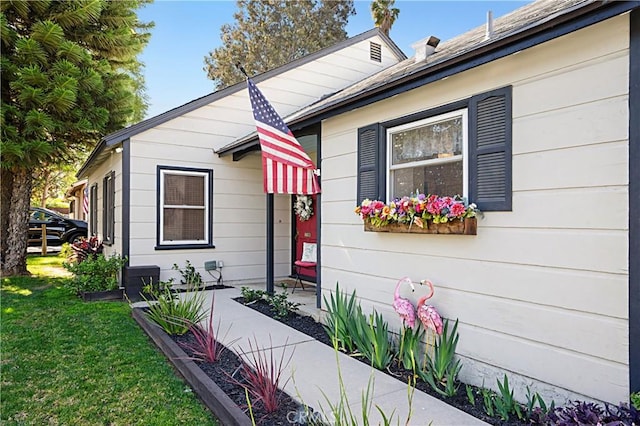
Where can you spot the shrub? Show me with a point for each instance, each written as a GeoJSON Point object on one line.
{"type": "Point", "coordinates": [175, 315]}
{"type": "Point", "coordinates": [207, 347]}
{"type": "Point", "coordinates": [340, 319]}
{"type": "Point", "coordinates": [504, 402]}
{"type": "Point", "coordinates": [372, 339]}
{"type": "Point", "coordinates": [409, 346]}
{"type": "Point", "coordinates": [280, 305]}
{"type": "Point", "coordinates": [190, 277]}
{"type": "Point", "coordinates": [261, 375]}
{"type": "Point", "coordinates": [95, 273]}
{"type": "Point", "coordinates": [442, 369]}
{"type": "Point", "coordinates": [581, 412]}
{"type": "Point", "coordinates": [539, 414]}
{"type": "Point", "coordinates": [341, 412]}
{"type": "Point", "coordinates": [251, 296]}
{"type": "Point", "coordinates": [635, 400]}
{"type": "Point", "coordinates": [85, 249]}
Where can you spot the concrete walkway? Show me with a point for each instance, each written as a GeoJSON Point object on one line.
{"type": "Point", "coordinates": [314, 368]}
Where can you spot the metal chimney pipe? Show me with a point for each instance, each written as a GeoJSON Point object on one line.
{"type": "Point", "coordinates": [489, 28]}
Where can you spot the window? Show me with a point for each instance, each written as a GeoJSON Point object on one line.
{"type": "Point", "coordinates": [93, 210]}
{"type": "Point", "coordinates": [428, 156]}
{"type": "Point", "coordinates": [460, 148]}
{"type": "Point", "coordinates": [108, 208]}
{"type": "Point", "coordinates": [184, 207]}
{"type": "Point", "coordinates": [41, 216]}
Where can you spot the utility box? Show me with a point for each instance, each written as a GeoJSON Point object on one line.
{"type": "Point", "coordinates": [136, 277]}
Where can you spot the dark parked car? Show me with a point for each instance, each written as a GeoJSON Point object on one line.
{"type": "Point", "coordinates": [59, 229]}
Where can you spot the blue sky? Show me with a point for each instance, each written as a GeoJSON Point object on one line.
{"type": "Point", "coordinates": [186, 31]}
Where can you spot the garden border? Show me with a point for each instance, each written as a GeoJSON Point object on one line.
{"type": "Point", "coordinates": [207, 390]}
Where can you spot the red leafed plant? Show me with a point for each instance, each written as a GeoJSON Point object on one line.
{"type": "Point", "coordinates": [207, 346]}
{"type": "Point", "coordinates": [261, 374]}
{"type": "Point", "coordinates": [85, 248]}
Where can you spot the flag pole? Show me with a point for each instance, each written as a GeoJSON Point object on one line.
{"type": "Point", "coordinates": [241, 69]}
{"type": "Point", "coordinates": [270, 284]}
{"type": "Point", "coordinates": [270, 245]}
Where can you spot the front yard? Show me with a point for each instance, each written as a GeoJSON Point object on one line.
{"type": "Point", "coordinates": [65, 361]}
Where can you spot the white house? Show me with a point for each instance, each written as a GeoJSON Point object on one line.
{"type": "Point", "coordinates": [543, 105]}
{"type": "Point", "coordinates": [159, 193]}
{"type": "Point", "coordinates": [544, 108]}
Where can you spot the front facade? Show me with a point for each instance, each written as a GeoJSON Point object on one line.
{"type": "Point", "coordinates": [546, 292]}
{"type": "Point", "coordinates": [542, 291]}
{"type": "Point", "coordinates": [160, 195]}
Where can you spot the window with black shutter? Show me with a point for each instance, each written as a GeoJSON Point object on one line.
{"type": "Point", "coordinates": [428, 151]}
{"type": "Point", "coordinates": [108, 208]}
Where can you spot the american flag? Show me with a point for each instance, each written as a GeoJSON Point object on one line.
{"type": "Point", "coordinates": [287, 169]}
{"type": "Point", "coordinates": [85, 201]}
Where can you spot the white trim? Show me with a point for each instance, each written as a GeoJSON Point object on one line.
{"type": "Point", "coordinates": [205, 207]}
{"type": "Point", "coordinates": [463, 113]}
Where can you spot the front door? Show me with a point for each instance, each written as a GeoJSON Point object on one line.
{"type": "Point", "coordinates": [305, 228]}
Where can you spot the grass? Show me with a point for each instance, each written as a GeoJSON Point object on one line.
{"type": "Point", "coordinates": [68, 362]}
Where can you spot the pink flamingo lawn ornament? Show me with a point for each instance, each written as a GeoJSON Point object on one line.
{"type": "Point", "coordinates": [403, 306]}
{"type": "Point", "coordinates": [427, 314]}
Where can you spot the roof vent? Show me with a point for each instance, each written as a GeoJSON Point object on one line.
{"type": "Point", "coordinates": [375, 51]}
{"type": "Point", "coordinates": [425, 48]}
{"type": "Point", "coordinates": [489, 29]}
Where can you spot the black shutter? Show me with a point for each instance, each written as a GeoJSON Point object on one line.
{"type": "Point", "coordinates": [371, 171]}
{"type": "Point", "coordinates": [490, 150]}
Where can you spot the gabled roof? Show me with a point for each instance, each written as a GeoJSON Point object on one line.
{"type": "Point", "coordinates": [515, 31]}
{"type": "Point", "coordinates": [119, 136]}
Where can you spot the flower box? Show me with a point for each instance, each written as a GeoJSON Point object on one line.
{"type": "Point", "coordinates": [468, 226]}
{"type": "Point", "coordinates": [420, 214]}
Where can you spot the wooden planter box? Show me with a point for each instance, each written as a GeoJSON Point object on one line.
{"type": "Point", "coordinates": [94, 296]}
{"type": "Point", "coordinates": [460, 227]}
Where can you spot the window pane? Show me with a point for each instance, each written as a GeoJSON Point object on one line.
{"type": "Point", "coordinates": [183, 224]}
{"type": "Point", "coordinates": [440, 179]}
{"type": "Point", "coordinates": [181, 190]}
{"type": "Point", "coordinates": [435, 140]}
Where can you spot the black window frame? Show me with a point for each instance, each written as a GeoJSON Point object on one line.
{"type": "Point", "coordinates": [108, 208]}
{"type": "Point", "coordinates": [160, 245]}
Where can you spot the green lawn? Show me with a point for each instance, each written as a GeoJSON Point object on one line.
{"type": "Point", "coordinates": [64, 361]}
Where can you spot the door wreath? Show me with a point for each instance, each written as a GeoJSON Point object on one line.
{"type": "Point", "coordinates": [302, 207]}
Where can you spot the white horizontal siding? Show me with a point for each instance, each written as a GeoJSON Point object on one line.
{"type": "Point", "coordinates": [111, 164]}
{"type": "Point", "coordinates": [546, 281]}
{"type": "Point", "coordinates": [239, 204]}
{"type": "Point", "coordinates": [230, 118]}
{"type": "Point", "coordinates": [601, 164]}
{"type": "Point", "coordinates": [239, 227]}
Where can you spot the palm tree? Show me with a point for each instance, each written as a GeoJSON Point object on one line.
{"type": "Point", "coordinates": [384, 15]}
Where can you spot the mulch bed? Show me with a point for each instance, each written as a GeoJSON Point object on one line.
{"type": "Point", "coordinates": [226, 366]}
{"type": "Point", "coordinates": [310, 327]}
